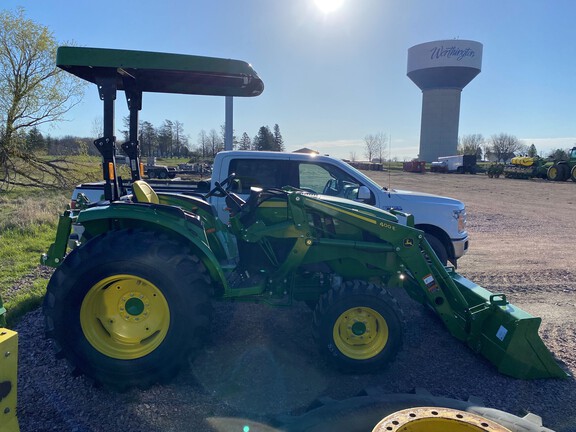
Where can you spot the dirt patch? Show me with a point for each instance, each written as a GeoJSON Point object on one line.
{"type": "Point", "coordinates": [262, 362]}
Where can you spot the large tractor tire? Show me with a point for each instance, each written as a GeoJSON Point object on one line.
{"type": "Point", "coordinates": [128, 308]}
{"type": "Point", "coordinates": [358, 327]}
{"type": "Point", "coordinates": [557, 172]}
{"type": "Point", "coordinates": [415, 412]}
{"type": "Point", "coordinates": [573, 174]}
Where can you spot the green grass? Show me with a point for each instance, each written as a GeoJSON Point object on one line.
{"type": "Point", "coordinates": [20, 252]}
{"type": "Point", "coordinates": [27, 228]}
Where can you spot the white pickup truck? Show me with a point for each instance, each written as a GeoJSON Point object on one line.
{"type": "Point", "coordinates": [442, 219]}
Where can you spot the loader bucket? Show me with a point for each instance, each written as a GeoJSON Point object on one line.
{"type": "Point", "coordinates": [506, 335]}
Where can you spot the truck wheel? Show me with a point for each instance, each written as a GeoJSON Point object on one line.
{"type": "Point", "coordinates": [128, 307]}
{"type": "Point", "coordinates": [573, 174]}
{"type": "Point", "coordinates": [162, 175]}
{"type": "Point", "coordinates": [358, 327]}
{"type": "Point", "coordinates": [438, 248]}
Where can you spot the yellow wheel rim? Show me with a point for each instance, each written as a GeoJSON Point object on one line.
{"type": "Point", "coordinates": [360, 333]}
{"type": "Point", "coordinates": [553, 172]}
{"type": "Point", "coordinates": [124, 317]}
{"type": "Point", "coordinates": [436, 419]}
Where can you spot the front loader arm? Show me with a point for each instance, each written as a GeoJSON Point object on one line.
{"type": "Point", "coordinates": [429, 280]}
{"type": "Point", "coordinates": [504, 334]}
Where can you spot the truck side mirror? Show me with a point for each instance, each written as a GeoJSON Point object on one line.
{"type": "Point", "coordinates": [363, 193]}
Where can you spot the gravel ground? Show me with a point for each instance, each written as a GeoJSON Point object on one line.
{"type": "Point", "coordinates": [262, 362]}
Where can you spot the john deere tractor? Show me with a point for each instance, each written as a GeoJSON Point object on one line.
{"type": "Point", "coordinates": [131, 297]}
{"type": "Point", "coordinates": [562, 170]}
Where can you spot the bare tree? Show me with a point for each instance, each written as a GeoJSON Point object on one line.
{"type": "Point", "coordinates": [203, 143]}
{"type": "Point", "coordinates": [97, 127]}
{"type": "Point", "coordinates": [504, 146]}
{"type": "Point", "coordinates": [33, 91]}
{"type": "Point", "coordinates": [471, 144]}
{"type": "Point", "coordinates": [375, 146]}
{"type": "Point", "coordinates": [215, 142]}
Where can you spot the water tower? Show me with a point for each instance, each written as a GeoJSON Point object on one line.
{"type": "Point", "coordinates": [442, 69]}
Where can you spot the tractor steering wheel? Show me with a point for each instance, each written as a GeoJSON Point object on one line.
{"type": "Point", "coordinates": [233, 201]}
{"type": "Point", "coordinates": [218, 189]}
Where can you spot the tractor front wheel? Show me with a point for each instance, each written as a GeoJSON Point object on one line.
{"type": "Point", "coordinates": [128, 308]}
{"type": "Point", "coordinates": [358, 327]}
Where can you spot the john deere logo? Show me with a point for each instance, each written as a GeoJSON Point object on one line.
{"type": "Point", "coordinates": [408, 242]}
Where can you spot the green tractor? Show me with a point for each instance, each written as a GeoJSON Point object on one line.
{"type": "Point", "coordinates": [563, 170]}
{"type": "Point", "coordinates": [137, 274]}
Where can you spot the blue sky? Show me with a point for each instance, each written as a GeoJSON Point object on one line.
{"type": "Point", "coordinates": [331, 79]}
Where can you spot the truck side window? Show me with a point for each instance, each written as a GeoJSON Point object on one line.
{"type": "Point", "coordinates": [258, 173]}
{"type": "Point", "coordinates": [327, 180]}
{"type": "Point", "coordinates": [313, 177]}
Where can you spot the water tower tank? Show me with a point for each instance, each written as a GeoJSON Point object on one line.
{"type": "Point", "coordinates": [442, 69]}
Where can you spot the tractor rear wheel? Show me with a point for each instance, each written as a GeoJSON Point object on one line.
{"type": "Point", "coordinates": [128, 308]}
{"type": "Point", "coordinates": [358, 327]}
{"type": "Point", "coordinates": [557, 172]}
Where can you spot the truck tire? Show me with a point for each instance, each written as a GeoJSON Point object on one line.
{"type": "Point", "coordinates": [162, 175]}
{"type": "Point", "coordinates": [573, 174]}
{"type": "Point", "coordinates": [438, 248]}
{"type": "Point", "coordinates": [358, 327]}
{"type": "Point", "coordinates": [128, 308]}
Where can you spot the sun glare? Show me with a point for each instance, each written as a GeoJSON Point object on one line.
{"type": "Point", "coordinates": [328, 6]}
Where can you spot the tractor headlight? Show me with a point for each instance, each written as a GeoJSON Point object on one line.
{"type": "Point", "coordinates": [460, 216]}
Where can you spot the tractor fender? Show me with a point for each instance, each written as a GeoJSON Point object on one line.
{"type": "Point", "coordinates": [173, 221]}
{"type": "Point", "coordinates": [363, 412]}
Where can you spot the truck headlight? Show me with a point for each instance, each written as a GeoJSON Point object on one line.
{"type": "Point", "coordinates": [460, 216]}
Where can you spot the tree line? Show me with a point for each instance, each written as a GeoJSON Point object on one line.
{"type": "Point", "coordinates": [502, 147]}
{"type": "Point", "coordinates": [167, 140]}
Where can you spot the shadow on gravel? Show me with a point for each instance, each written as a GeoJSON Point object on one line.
{"type": "Point", "coordinates": [262, 372]}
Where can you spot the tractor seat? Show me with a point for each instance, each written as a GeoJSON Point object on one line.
{"type": "Point", "coordinates": [143, 193]}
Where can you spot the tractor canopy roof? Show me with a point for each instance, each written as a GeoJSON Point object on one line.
{"type": "Point", "coordinates": [145, 71]}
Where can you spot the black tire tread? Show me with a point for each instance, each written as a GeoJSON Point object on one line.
{"type": "Point", "coordinates": [122, 245]}
{"type": "Point", "coordinates": [346, 290]}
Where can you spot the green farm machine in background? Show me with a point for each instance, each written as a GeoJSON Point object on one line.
{"type": "Point", "coordinates": [525, 167]}
{"type": "Point", "coordinates": [131, 297]}
{"type": "Point", "coordinates": [562, 170]}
